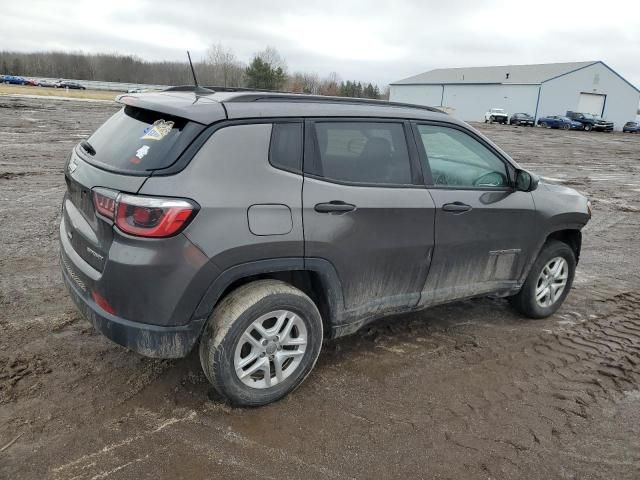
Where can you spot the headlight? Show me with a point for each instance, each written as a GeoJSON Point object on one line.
{"type": "Point", "coordinates": [589, 208]}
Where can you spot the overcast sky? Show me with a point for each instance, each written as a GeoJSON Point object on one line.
{"type": "Point", "coordinates": [375, 40]}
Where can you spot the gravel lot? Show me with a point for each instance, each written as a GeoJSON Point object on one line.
{"type": "Point", "coordinates": [465, 391]}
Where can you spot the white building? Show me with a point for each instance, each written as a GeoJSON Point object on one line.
{"type": "Point", "coordinates": [539, 90]}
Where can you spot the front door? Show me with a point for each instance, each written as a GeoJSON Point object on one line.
{"type": "Point", "coordinates": [484, 228]}
{"type": "Point", "coordinates": [367, 211]}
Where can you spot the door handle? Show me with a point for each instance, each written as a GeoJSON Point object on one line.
{"type": "Point", "coordinates": [458, 207]}
{"type": "Point", "coordinates": [334, 206]}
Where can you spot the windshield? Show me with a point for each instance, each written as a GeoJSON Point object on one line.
{"type": "Point", "coordinates": [497, 110]}
{"type": "Point", "coordinates": [136, 140]}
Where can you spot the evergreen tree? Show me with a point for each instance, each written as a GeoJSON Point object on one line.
{"type": "Point", "coordinates": [262, 75]}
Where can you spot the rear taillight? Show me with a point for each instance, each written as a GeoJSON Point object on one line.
{"type": "Point", "coordinates": [105, 202]}
{"type": "Point", "coordinates": [144, 216]}
{"type": "Point", "coordinates": [152, 217]}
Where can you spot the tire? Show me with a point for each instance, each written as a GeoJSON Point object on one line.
{"type": "Point", "coordinates": [525, 301]}
{"type": "Point", "coordinates": [588, 127]}
{"type": "Point", "coordinates": [491, 119]}
{"type": "Point", "coordinates": [224, 346]}
{"type": "Point", "coordinates": [565, 127]}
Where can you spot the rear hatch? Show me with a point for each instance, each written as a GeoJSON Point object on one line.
{"type": "Point", "coordinates": [118, 157]}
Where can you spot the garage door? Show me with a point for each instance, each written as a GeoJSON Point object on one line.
{"type": "Point", "coordinates": [591, 103]}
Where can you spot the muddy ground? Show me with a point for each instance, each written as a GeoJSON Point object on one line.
{"type": "Point", "coordinates": [465, 391]}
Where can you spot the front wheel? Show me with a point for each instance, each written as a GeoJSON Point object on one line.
{"type": "Point", "coordinates": [588, 128]}
{"type": "Point", "coordinates": [548, 282]}
{"type": "Point", "coordinates": [261, 342]}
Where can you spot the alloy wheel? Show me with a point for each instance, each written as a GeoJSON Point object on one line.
{"type": "Point", "coordinates": [271, 349]}
{"type": "Point", "coordinates": [552, 282]}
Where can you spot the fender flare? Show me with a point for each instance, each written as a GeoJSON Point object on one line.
{"type": "Point", "coordinates": [325, 270]}
{"type": "Point", "coordinates": [540, 244]}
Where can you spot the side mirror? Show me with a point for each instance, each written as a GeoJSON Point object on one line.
{"type": "Point", "coordinates": [525, 181]}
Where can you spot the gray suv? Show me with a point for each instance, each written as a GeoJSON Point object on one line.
{"type": "Point", "coordinates": [256, 224]}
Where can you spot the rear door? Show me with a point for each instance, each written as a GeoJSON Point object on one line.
{"type": "Point", "coordinates": [367, 212]}
{"type": "Point", "coordinates": [484, 228]}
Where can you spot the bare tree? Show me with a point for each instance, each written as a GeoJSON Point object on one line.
{"type": "Point", "coordinates": [301, 82]}
{"type": "Point", "coordinates": [226, 69]}
{"type": "Point", "coordinates": [272, 57]}
{"type": "Point", "coordinates": [330, 85]}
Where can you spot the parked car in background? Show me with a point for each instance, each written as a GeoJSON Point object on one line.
{"type": "Point", "coordinates": [47, 83]}
{"type": "Point", "coordinates": [14, 80]}
{"type": "Point", "coordinates": [522, 119]}
{"type": "Point", "coordinates": [496, 115]}
{"type": "Point", "coordinates": [33, 82]}
{"type": "Point", "coordinates": [559, 121]}
{"type": "Point", "coordinates": [590, 121]}
{"type": "Point", "coordinates": [631, 127]}
{"type": "Point", "coordinates": [68, 84]}
{"type": "Point", "coordinates": [555, 121]}
{"type": "Point", "coordinates": [168, 245]}
{"type": "Point", "coordinates": [136, 90]}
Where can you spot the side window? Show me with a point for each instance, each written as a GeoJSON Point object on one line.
{"type": "Point", "coordinates": [362, 152]}
{"type": "Point", "coordinates": [457, 159]}
{"type": "Point", "coordinates": [285, 151]}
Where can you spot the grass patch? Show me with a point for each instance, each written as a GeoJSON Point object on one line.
{"type": "Point", "coordinates": [57, 92]}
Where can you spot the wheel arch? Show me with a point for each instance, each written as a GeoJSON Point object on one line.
{"type": "Point", "coordinates": [572, 237]}
{"type": "Point", "coordinates": [314, 276]}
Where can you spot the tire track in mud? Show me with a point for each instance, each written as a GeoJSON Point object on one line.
{"type": "Point", "coordinates": [552, 386]}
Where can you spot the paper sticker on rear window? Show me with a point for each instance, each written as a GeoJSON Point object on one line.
{"type": "Point", "coordinates": [158, 130]}
{"type": "Point", "coordinates": [140, 154]}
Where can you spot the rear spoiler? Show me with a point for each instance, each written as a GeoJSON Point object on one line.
{"type": "Point", "coordinates": [197, 108]}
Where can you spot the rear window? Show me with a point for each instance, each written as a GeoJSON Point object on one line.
{"type": "Point", "coordinates": [137, 141]}
{"type": "Point", "coordinates": [286, 146]}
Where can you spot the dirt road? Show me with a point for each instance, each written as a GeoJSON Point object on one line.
{"type": "Point", "coordinates": [466, 391]}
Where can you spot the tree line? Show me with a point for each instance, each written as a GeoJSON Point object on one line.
{"type": "Point", "coordinates": [267, 70]}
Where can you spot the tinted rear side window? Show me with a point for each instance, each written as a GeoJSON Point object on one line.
{"type": "Point", "coordinates": [286, 146]}
{"type": "Point", "coordinates": [137, 141]}
{"type": "Point", "coordinates": [363, 152]}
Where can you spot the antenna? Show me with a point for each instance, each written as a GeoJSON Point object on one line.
{"type": "Point", "coordinates": [193, 72]}
{"type": "Point", "coordinates": [197, 88]}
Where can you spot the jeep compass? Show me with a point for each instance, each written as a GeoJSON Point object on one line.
{"type": "Point", "coordinates": [254, 225]}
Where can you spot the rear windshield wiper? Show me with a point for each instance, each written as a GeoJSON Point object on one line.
{"type": "Point", "coordinates": [86, 146]}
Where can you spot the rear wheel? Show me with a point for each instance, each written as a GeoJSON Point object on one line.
{"type": "Point", "coordinates": [548, 282]}
{"type": "Point", "coordinates": [261, 342]}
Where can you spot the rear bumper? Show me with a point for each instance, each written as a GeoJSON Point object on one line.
{"type": "Point", "coordinates": [148, 340]}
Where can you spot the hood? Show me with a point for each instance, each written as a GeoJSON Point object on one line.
{"type": "Point", "coordinates": [555, 185]}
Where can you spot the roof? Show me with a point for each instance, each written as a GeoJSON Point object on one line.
{"type": "Point", "coordinates": [504, 74]}
{"type": "Point", "coordinates": [208, 108]}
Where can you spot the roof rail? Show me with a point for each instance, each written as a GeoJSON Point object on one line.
{"type": "Point", "coordinates": [189, 88]}
{"type": "Point", "coordinates": [213, 89]}
{"type": "Point", "coordinates": [256, 95]}
{"type": "Point", "coordinates": [245, 89]}
{"type": "Point", "coordinates": [253, 96]}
